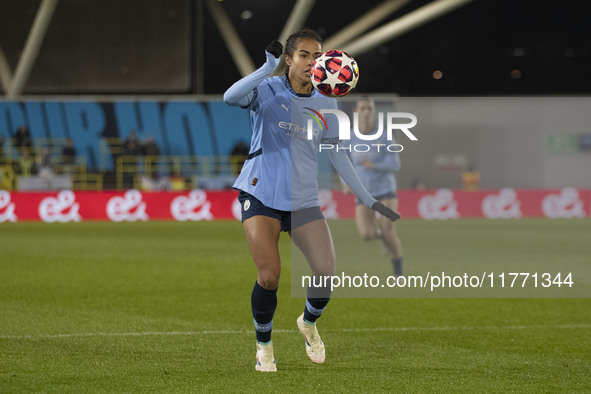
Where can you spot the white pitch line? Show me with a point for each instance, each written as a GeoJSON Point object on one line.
{"type": "Point", "coordinates": [459, 328]}
{"type": "Point", "coordinates": [242, 332]}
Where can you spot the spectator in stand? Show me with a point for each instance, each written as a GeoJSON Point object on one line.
{"type": "Point", "coordinates": [68, 156]}
{"type": "Point", "coordinates": [151, 151]}
{"type": "Point", "coordinates": [68, 152]}
{"type": "Point", "coordinates": [471, 179]}
{"type": "Point", "coordinates": [1, 146]}
{"type": "Point", "coordinates": [177, 181]}
{"type": "Point", "coordinates": [238, 156]}
{"type": "Point", "coordinates": [44, 164]}
{"type": "Point", "coordinates": [151, 147]}
{"type": "Point", "coordinates": [26, 164]}
{"type": "Point", "coordinates": [419, 184]}
{"type": "Point", "coordinates": [23, 140]}
{"type": "Point", "coordinates": [155, 182]}
{"type": "Point", "coordinates": [131, 146]}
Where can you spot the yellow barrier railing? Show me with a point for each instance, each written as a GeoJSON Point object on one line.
{"type": "Point", "coordinates": [130, 169]}
{"type": "Point", "coordinates": [87, 182]}
{"type": "Point", "coordinates": [54, 145]}
{"type": "Point", "coordinates": [78, 172]}
{"type": "Point", "coordinates": [8, 148]}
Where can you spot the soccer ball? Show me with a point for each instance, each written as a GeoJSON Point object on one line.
{"type": "Point", "coordinates": [335, 73]}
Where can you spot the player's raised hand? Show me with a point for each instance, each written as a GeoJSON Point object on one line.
{"type": "Point", "coordinates": [275, 48]}
{"type": "Point", "coordinates": [385, 211]}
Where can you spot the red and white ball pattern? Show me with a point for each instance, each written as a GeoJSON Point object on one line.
{"type": "Point", "coordinates": [335, 73]}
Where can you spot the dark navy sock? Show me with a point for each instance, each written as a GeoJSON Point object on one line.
{"type": "Point", "coordinates": [315, 306]}
{"type": "Point", "coordinates": [397, 264]}
{"type": "Point", "coordinates": [264, 303]}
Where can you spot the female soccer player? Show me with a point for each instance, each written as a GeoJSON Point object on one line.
{"type": "Point", "coordinates": [376, 170]}
{"type": "Point", "coordinates": [278, 187]}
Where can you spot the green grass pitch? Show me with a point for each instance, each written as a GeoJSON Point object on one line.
{"type": "Point", "coordinates": [165, 307]}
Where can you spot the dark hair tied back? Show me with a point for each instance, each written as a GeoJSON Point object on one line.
{"type": "Point", "coordinates": [292, 41]}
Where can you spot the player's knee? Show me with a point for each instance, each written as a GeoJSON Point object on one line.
{"type": "Point", "coordinates": [269, 280]}
{"type": "Point", "coordinates": [324, 274]}
{"type": "Point", "coordinates": [388, 230]}
{"type": "Point", "coordinates": [328, 269]}
{"type": "Point", "coordinates": [269, 284]}
{"type": "Point", "coordinates": [368, 235]}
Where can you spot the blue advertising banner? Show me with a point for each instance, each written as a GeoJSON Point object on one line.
{"type": "Point", "coordinates": [180, 128]}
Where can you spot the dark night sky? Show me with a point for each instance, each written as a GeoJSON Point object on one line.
{"type": "Point", "coordinates": [487, 47]}
{"type": "Point", "coordinates": [476, 47]}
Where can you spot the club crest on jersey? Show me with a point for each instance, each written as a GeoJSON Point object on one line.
{"type": "Point", "coordinates": [254, 181]}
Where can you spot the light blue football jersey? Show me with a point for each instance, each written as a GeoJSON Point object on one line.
{"type": "Point", "coordinates": [282, 167]}
{"type": "Point", "coordinates": [381, 180]}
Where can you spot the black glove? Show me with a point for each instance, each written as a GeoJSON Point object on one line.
{"type": "Point", "coordinates": [275, 48]}
{"type": "Point", "coordinates": [385, 211]}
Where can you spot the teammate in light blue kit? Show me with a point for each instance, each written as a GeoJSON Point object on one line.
{"type": "Point", "coordinates": [376, 171]}
{"type": "Point", "coordinates": [279, 191]}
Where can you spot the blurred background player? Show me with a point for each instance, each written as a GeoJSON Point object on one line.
{"type": "Point", "coordinates": [270, 204]}
{"type": "Point", "coordinates": [376, 171]}
{"type": "Point", "coordinates": [471, 179]}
